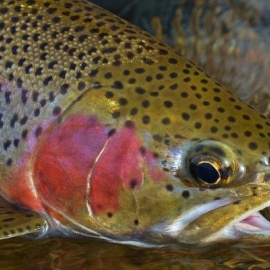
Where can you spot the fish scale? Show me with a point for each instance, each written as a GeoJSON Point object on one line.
{"type": "Point", "coordinates": [66, 58]}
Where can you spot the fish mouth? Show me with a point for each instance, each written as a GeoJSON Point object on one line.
{"type": "Point", "coordinates": [250, 224]}
{"type": "Point", "coordinates": [225, 219]}
{"type": "Point", "coordinates": [254, 223]}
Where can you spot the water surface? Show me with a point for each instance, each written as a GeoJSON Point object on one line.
{"type": "Point", "coordinates": [92, 254]}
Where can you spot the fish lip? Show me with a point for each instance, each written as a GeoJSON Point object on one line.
{"type": "Point", "coordinates": [250, 223]}
{"type": "Point", "coordinates": [175, 228]}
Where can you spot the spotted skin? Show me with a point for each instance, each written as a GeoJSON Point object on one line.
{"type": "Point", "coordinates": [13, 224]}
{"type": "Point", "coordinates": [51, 56]}
{"type": "Point", "coordinates": [63, 59]}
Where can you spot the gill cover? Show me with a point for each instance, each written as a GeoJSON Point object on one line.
{"type": "Point", "coordinates": [92, 176]}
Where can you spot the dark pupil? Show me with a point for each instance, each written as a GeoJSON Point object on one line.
{"type": "Point", "coordinates": [205, 172]}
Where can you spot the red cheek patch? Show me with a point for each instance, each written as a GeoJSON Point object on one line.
{"type": "Point", "coordinates": [79, 164]}
{"type": "Point", "coordinates": [119, 166]}
{"type": "Point", "coordinates": [65, 160]}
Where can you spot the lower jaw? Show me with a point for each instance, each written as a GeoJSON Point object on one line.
{"type": "Point", "coordinates": [250, 226]}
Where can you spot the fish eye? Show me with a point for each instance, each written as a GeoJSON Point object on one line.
{"type": "Point", "coordinates": [205, 171]}
{"type": "Point", "coordinates": [211, 164]}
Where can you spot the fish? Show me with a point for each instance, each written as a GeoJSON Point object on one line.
{"type": "Point", "coordinates": [108, 133]}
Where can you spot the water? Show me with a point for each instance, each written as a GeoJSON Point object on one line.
{"type": "Point", "coordinates": [69, 254]}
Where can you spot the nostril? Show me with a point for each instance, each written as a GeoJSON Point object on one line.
{"type": "Point", "coordinates": [265, 161]}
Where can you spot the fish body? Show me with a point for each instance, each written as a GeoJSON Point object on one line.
{"type": "Point", "coordinates": [107, 132]}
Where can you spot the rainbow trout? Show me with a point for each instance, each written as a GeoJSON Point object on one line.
{"type": "Point", "coordinates": [108, 133]}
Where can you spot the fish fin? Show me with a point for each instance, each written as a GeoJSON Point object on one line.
{"type": "Point", "coordinates": [17, 222]}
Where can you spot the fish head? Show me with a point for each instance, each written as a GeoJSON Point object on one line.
{"type": "Point", "coordinates": [167, 181]}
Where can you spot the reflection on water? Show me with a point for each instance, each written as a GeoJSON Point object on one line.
{"type": "Point", "coordinates": [91, 254]}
